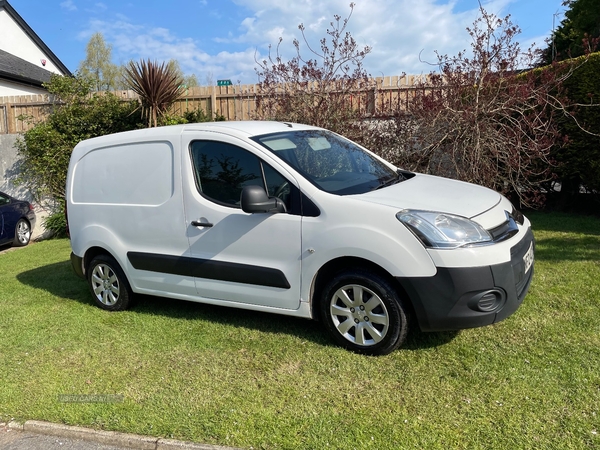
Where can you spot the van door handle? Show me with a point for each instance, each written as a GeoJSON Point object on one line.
{"type": "Point", "coordinates": [197, 223]}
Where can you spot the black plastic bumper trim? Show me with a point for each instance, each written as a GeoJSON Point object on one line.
{"type": "Point", "coordinates": [77, 264]}
{"type": "Point", "coordinates": [447, 300]}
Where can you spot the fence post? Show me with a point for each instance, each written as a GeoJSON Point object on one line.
{"type": "Point", "coordinates": [213, 102]}
{"type": "Point", "coordinates": [3, 120]}
{"type": "Point", "coordinates": [10, 118]}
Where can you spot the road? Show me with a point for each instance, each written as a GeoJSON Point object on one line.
{"type": "Point", "coordinates": [11, 439]}
{"type": "Point", "coordinates": [37, 435]}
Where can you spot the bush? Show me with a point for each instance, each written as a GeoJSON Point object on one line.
{"type": "Point", "coordinates": [579, 158]}
{"type": "Point", "coordinates": [477, 119]}
{"type": "Point", "coordinates": [56, 223]}
{"type": "Point", "coordinates": [199, 116]}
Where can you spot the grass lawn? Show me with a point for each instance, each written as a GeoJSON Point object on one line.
{"type": "Point", "coordinates": [232, 377]}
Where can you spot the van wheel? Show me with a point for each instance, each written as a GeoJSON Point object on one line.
{"type": "Point", "coordinates": [363, 312]}
{"type": "Point", "coordinates": [108, 284]}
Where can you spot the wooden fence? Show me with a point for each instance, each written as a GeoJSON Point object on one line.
{"type": "Point", "coordinates": [235, 102]}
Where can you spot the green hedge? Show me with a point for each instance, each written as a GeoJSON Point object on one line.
{"type": "Point", "coordinates": [578, 160]}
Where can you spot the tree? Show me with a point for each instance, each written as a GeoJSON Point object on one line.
{"type": "Point", "coordinates": [76, 115]}
{"type": "Point", "coordinates": [189, 81]}
{"type": "Point", "coordinates": [157, 85]}
{"type": "Point", "coordinates": [577, 34]}
{"type": "Point", "coordinates": [323, 90]}
{"type": "Point", "coordinates": [97, 65]}
{"type": "Point", "coordinates": [480, 118]}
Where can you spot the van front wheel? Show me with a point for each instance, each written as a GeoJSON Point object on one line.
{"type": "Point", "coordinates": [363, 312]}
{"type": "Point", "coordinates": [108, 284]}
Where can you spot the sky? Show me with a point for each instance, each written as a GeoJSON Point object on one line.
{"type": "Point", "coordinates": [222, 39]}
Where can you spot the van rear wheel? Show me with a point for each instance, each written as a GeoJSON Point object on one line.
{"type": "Point", "coordinates": [108, 284]}
{"type": "Point", "coordinates": [363, 312]}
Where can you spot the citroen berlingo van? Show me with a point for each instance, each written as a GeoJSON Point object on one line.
{"type": "Point", "coordinates": [297, 220]}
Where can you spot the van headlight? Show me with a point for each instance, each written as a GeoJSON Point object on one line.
{"type": "Point", "coordinates": [441, 230]}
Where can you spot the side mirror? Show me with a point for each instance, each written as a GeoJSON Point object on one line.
{"type": "Point", "coordinates": [254, 199]}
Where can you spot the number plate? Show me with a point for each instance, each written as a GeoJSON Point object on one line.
{"type": "Point", "coordinates": [528, 258]}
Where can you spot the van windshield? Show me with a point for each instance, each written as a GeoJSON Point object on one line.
{"type": "Point", "coordinates": [332, 163]}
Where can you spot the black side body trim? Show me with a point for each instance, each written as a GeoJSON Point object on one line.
{"type": "Point", "coordinates": [206, 268]}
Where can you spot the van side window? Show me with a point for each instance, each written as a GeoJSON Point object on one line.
{"type": "Point", "coordinates": [223, 170]}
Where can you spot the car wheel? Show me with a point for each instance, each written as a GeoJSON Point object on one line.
{"type": "Point", "coordinates": [108, 284]}
{"type": "Point", "coordinates": [22, 233]}
{"type": "Point", "coordinates": [364, 313]}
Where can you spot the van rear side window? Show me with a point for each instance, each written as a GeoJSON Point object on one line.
{"type": "Point", "coordinates": [104, 175]}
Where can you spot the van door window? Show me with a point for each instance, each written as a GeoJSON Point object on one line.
{"type": "Point", "coordinates": [223, 170]}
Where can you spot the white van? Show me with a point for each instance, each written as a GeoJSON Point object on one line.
{"type": "Point", "coordinates": [296, 220]}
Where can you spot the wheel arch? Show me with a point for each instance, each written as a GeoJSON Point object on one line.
{"type": "Point", "coordinates": [26, 219]}
{"type": "Point", "coordinates": [337, 265]}
{"type": "Point", "coordinates": [91, 253]}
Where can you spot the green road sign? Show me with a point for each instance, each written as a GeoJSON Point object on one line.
{"type": "Point", "coordinates": [223, 82]}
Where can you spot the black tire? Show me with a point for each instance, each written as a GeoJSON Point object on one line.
{"type": "Point", "coordinates": [22, 233]}
{"type": "Point", "coordinates": [375, 323]}
{"type": "Point", "coordinates": [108, 284]}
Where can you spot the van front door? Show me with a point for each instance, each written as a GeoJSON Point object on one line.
{"type": "Point", "coordinates": [239, 257]}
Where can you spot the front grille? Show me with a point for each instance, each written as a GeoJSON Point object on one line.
{"type": "Point", "coordinates": [505, 230]}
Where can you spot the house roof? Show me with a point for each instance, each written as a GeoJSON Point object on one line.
{"type": "Point", "coordinates": [35, 38]}
{"type": "Point", "coordinates": [16, 69]}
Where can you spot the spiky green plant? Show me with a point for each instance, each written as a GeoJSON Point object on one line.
{"type": "Point", "coordinates": [158, 86]}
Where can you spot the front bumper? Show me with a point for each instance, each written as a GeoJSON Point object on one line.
{"type": "Point", "coordinates": [469, 297]}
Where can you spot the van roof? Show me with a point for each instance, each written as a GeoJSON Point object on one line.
{"type": "Point", "coordinates": [234, 128]}
{"type": "Point", "coordinates": [249, 127]}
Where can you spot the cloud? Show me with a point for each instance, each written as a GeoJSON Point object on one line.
{"type": "Point", "coordinates": [403, 34]}
{"type": "Point", "coordinates": [69, 5]}
{"type": "Point", "coordinates": [396, 31]}
{"type": "Point", "coordinates": [131, 41]}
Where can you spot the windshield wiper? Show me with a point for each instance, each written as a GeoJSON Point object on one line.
{"type": "Point", "coordinates": [396, 179]}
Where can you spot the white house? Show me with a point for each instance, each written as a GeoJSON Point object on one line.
{"type": "Point", "coordinates": [25, 60]}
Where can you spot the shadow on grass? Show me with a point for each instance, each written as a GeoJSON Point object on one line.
{"type": "Point", "coordinates": [568, 248]}
{"type": "Point", "coordinates": [565, 237]}
{"type": "Point", "coordinates": [564, 222]}
{"type": "Point", "coordinates": [418, 340]}
{"type": "Point", "coordinates": [59, 280]}
{"type": "Point", "coordinates": [304, 329]}
{"type": "Point", "coordinates": [6, 247]}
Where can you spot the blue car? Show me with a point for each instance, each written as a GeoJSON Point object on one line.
{"type": "Point", "coordinates": [17, 220]}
